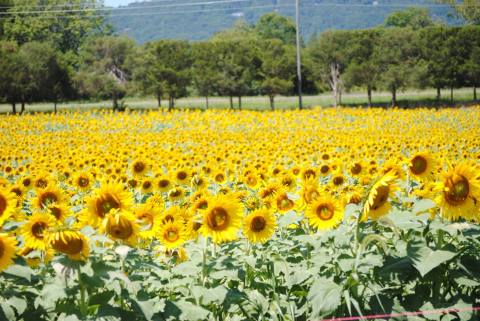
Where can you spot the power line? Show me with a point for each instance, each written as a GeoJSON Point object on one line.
{"type": "Point", "coordinates": [89, 4]}
{"type": "Point", "coordinates": [205, 3]}
{"type": "Point", "coordinates": [156, 13]}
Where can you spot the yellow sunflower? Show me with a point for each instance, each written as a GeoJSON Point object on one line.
{"type": "Point", "coordinates": [148, 218]}
{"type": "Point", "coordinates": [109, 197]}
{"type": "Point", "coordinates": [259, 225]}
{"type": "Point", "coordinates": [163, 183]}
{"type": "Point", "coordinates": [8, 203]}
{"type": "Point", "coordinates": [83, 181]}
{"type": "Point", "coordinates": [324, 213]}
{"type": "Point", "coordinates": [35, 229]}
{"type": "Point", "coordinates": [7, 250]}
{"type": "Point", "coordinates": [48, 196]}
{"type": "Point", "coordinates": [222, 219]}
{"type": "Point", "coordinates": [172, 234]}
{"type": "Point", "coordinates": [72, 243]}
{"type": "Point", "coordinates": [458, 193]}
{"type": "Point", "coordinates": [377, 203]}
{"type": "Point", "coordinates": [422, 166]}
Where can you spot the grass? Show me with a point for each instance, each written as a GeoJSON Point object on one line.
{"type": "Point", "coordinates": [410, 98]}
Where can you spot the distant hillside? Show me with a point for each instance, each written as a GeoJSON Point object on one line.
{"type": "Point", "coordinates": [146, 21]}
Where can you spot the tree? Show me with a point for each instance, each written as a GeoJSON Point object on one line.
{"type": "Point", "coordinates": [466, 9]}
{"type": "Point", "coordinates": [10, 67]}
{"type": "Point", "coordinates": [239, 62]}
{"type": "Point", "coordinates": [67, 31]}
{"type": "Point", "coordinates": [413, 17]}
{"type": "Point", "coordinates": [277, 70]}
{"type": "Point", "coordinates": [166, 69]}
{"type": "Point", "coordinates": [104, 69]}
{"type": "Point", "coordinates": [329, 55]}
{"type": "Point", "coordinates": [362, 70]}
{"type": "Point", "coordinates": [274, 26]}
{"type": "Point", "coordinates": [206, 73]}
{"type": "Point", "coordinates": [397, 55]}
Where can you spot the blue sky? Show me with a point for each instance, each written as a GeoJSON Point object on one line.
{"type": "Point", "coordinates": [116, 3]}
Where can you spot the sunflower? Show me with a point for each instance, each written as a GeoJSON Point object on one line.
{"type": "Point", "coordinates": [147, 185]}
{"type": "Point", "coordinates": [309, 192]}
{"type": "Point", "coordinates": [324, 213]}
{"type": "Point", "coordinates": [377, 203]}
{"type": "Point", "coordinates": [120, 225]}
{"type": "Point", "coordinates": [110, 196]}
{"type": "Point", "coordinates": [182, 176]}
{"type": "Point", "coordinates": [34, 257]}
{"type": "Point", "coordinates": [259, 225]}
{"type": "Point", "coordinates": [283, 203]}
{"type": "Point", "coordinates": [35, 229]}
{"type": "Point", "coordinates": [198, 182]}
{"type": "Point", "coordinates": [83, 181]}
{"type": "Point", "coordinates": [422, 166]}
{"type": "Point", "coordinates": [72, 243]}
{"type": "Point", "coordinates": [458, 193]}
{"type": "Point", "coordinates": [139, 168]}
{"type": "Point", "coordinates": [176, 193]}
{"type": "Point", "coordinates": [222, 219]}
{"type": "Point", "coordinates": [148, 218]}
{"type": "Point", "coordinates": [251, 180]}
{"type": "Point", "coordinates": [8, 203]}
{"type": "Point", "coordinates": [48, 196]}
{"type": "Point", "coordinates": [172, 234]}
{"type": "Point", "coordinates": [172, 214]}
{"type": "Point", "coordinates": [163, 183]}
{"type": "Point", "coordinates": [7, 250]}
{"type": "Point", "coordinates": [59, 211]}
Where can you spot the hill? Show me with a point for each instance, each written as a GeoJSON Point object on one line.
{"type": "Point", "coordinates": [171, 19]}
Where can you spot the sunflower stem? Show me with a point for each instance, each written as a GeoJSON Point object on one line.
{"type": "Point", "coordinates": [83, 304]}
{"type": "Point", "coordinates": [204, 261]}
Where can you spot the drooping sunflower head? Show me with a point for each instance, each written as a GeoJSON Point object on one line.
{"type": "Point", "coordinates": [458, 193]}
{"type": "Point", "coordinates": [7, 250]}
{"type": "Point", "coordinates": [120, 225]}
{"type": "Point", "coordinates": [172, 234]}
{"type": "Point", "coordinates": [147, 217]}
{"type": "Point", "coordinates": [377, 204]}
{"type": "Point", "coordinates": [310, 192]}
{"type": "Point", "coordinates": [422, 166]}
{"type": "Point", "coordinates": [69, 242]}
{"type": "Point", "coordinates": [283, 201]}
{"type": "Point", "coordinates": [222, 218]}
{"type": "Point", "coordinates": [324, 213]}
{"type": "Point", "coordinates": [259, 225]}
{"type": "Point", "coordinates": [34, 231]}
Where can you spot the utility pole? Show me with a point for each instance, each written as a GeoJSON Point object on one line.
{"type": "Point", "coordinates": [299, 62]}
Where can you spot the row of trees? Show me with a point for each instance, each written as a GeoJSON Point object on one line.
{"type": "Point", "coordinates": [410, 50]}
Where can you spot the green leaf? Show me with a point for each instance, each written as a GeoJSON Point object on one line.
{"type": "Point", "coordinates": [289, 218]}
{"type": "Point", "coordinates": [425, 259]}
{"type": "Point", "coordinates": [8, 312]}
{"type": "Point", "coordinates": [50, 294]}
{"type": "Point", "coordinates": [20, 271]}
{"type": "Point", "coordinates": [191, 311]}
{"type": "Point", "coordinates": [20, 304]}
{"type": "Point", "coordinates": [65, 317]}
{"type": "Point", "coordinates": [422, 205]}
{"type": "Point", "coordinates": [325, 296]}
{"type": "Point", "coordinates": [152, 306]}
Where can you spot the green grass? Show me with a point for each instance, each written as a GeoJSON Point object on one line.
{"type": "Point", "coordinates": [410, 98]}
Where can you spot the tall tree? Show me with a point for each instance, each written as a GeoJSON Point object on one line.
{"type": "Point", "coordinates": [274, 26]}
{"type": "Point", "coordinates": [413, 17]}
{"type": "Point", "coordinates": [104, 69]}
{"type": "Point", "coordinates": [278, 68]}
{"type": "Point", "coordinates": [10, 67]}
{"type": "Point", "coordinates": [206, 73]}
{"type": "Point", "coordinates": [362, 70]}
{"type": "Point", "coordinates": [396, 54]}
{"type": "Point", "coordinates": [329, 55]}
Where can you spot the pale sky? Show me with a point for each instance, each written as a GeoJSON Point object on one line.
{"type": "Point", "coordinates": [116, 3]}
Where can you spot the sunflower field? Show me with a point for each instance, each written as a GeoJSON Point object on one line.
{"type": "Point", "coordinates": [240, 215]}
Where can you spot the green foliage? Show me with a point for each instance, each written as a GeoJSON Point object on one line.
{"type": "Point", "coordinates": [413, 17]}
{"type": "Point", "coordinates": [275, 26]}
{"type": "Point", "coordinates": [466, 9]}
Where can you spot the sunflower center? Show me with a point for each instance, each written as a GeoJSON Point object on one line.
{"type": "Point", "coordinates": [83, 182]}
{"type": "Point", "coordinates": [163, 183]}
{"type": "Point", "coordinates": [175, 193]}
{"type": "Point", "coordinates": [258, 224]}
{"type": "Point", "coordinates": [338, 180]}
{"type": "Point", "coordinates": [105, 204]}
{"type": "Point", "coordinates": [47, 199]}
{"type": "Point", "coordinates": [311, 195]}
{"type": "Point", "coordinates": [38, 228]}
{"type": "Point", "coordinates": [3, 204]}
{"type": "Point", "coordinates": [219, 178]}
{"type": "Point", "coordinates": [458, 190]}
{"type": "Point", "coordinates": [381, 197]}
{"type": "Point", "coordinates": [41, 183]}
{"type": "Point", "coordinates": [218, 219]}
{"type": "Point", "coordinates": [203, 204]}
{"type": "Point", "coordinates": [196, 226]}
{"type": "Point", "coordinates": [284, 203]}
{"type": "Point", "coordinates": [309, 173]}
{"type": "Point", "coordinates": [26, 182]}
{"type": "Point", "coordinates": [123, 230]}
{"type": "Point", "coordinates": [356, 169]}
{"type": "Point", "coordinates": [324, 169]}
{"type": "Point", "coordinates": [171, 235]}
{"type": "Point", "coordinates": [325, 212]}
{"type": "Point", "coordinates": [17, 191]}
{"type": "Point", "coordinates": [181, 175]}
{"type": "Point", "coordinates": [138, 167]}
{"type": "Point", "coordinates": [55, 211]}
{"type": "Point", "coordinates": [146, 185]}
{"type": "Point", "coordinates": [418, 165]}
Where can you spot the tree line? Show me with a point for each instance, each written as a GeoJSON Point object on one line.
{"type": "Point", "coordinates": [408, 51]}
